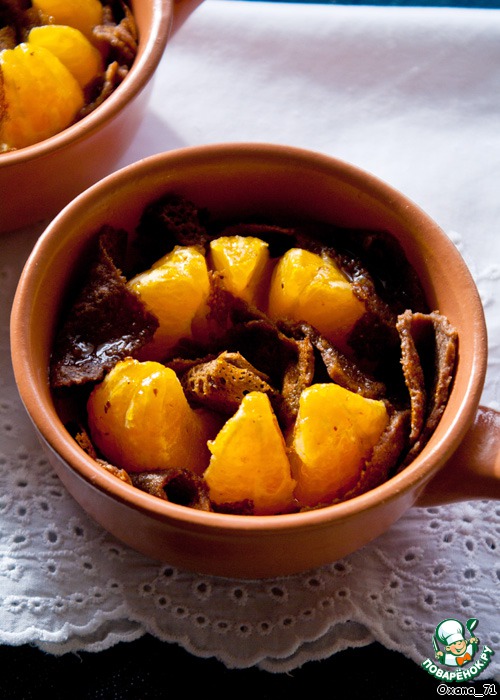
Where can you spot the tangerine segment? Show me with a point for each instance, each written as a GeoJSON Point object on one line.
{"type": "Point", "coordinates": [249, 459]}
{"type": "Point", "coordinates": [242, 261]}
{"type": "Point", "coordinates": [176, 290]}
{"type": "Point", "coordinates": [140, 420]}
{"type": "Point", "coordinates": [80, 14]}
{"type": "Point", "coordinates": [72, 48]}
{"type": "Point", "coordinates": [31, 74]}
{"type": "Point", "coordinates": [309, 287]}
{"type": "Point", "coordinates": [334, 435]}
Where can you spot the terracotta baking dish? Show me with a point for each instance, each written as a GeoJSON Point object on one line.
{"type": "Point", "coordinates": [460, 461]}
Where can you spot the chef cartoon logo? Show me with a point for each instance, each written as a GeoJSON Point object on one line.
{"type": "Point", "coordinates": [456, 648]}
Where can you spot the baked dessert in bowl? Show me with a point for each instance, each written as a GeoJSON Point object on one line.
{"type": "Point", "coordinates": [47, 160]}
{"type": "Point", "coordinates": [213, 199]}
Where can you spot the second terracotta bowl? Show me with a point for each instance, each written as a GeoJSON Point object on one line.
{"type": "Point", "coordinates": [37, 181]}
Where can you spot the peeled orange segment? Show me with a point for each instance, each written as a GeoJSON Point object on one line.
{"type": "Point", "coordinates": [309, 287]}
{"type": "Point", "coordinates": [140, 420]}
{"type": "Point", "coordinates": [41, 97]}
{"type": "Point", "coordinates": [176, 290]}
{"type": "Point", "coordinates": [334, 435]}
{"type": "Point", "coordinates": [72, 48]}
{"type": "Point", "coordinates": [249, 460]}
{"type": "Point", "coordinates": [242, 261]}
{"type": "Point", "coordinates": [80, 14]}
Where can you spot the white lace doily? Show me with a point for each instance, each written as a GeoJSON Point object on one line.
{"type": "Point", "coordinates": [67, 585]}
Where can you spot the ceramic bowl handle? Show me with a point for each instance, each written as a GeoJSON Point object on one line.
{"type": "Point", "coordinates": [473, 471]}
{"type": "Point", "coordinates": [182, 10]}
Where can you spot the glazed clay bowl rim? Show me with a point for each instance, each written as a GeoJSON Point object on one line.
{"type": "Point", "coordinates": [32, 381]}
{"type": "Point", "coordinates": [141, 72]}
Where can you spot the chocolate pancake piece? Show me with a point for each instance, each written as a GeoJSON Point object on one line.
{"type": "Point", "coordinates": [167, 222]}
{"type": "Point", "coordinates": [414, 375]}
{"type": "Point", "coordinates": [386, 283]}
{"type": "Point", "coordinates": [298, 375]}
{"type": "Point", "coordinates": [179, 486]}
{"type": "Point", "coordinates": [385, 455]}
{"type": "Point", "coordinates": [222, 383]}
{"type": "Point", "coordinates": [265, 346]}
{"type": "Point", "coordinates": [245, 507]}
{"type": "Point", "coordinates": [377, 258]}
{"type": "Point", "coordinates": [429, 346]}
{"type": "Point", "coordinates": [105, 324]}
{"type": "Point", "coordinates": [225, 310]}
{"type": "Point", "coordinates": [17, 17]}
{"type": "Point", "coordinates": [118, 36]}
{"type": "Point", "coordinates": [118, 32]}
{"type": "Point", "coordinates": [339, 368]}
{"type": "Point", "coordinates": [236, 326]}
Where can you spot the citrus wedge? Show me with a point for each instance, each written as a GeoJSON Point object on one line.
{"type": "Point", "coordinates": [309, 287]}
{"type": "Point", "coordinates": [176, 290]}
{"type": "Point", "coordinates": [29, 75]}
{"type": "Point", "coordinates": [80, 14]}
{"type": "Point", "coordinates": [72, 48]}
{"type": "Point", "coordinates": [242, 262]}
{"type": "Point", "coordinates": [249, 460]}
{"type": "Point", "coordinates": [334, 435]}
{"type": "Point", "coordinates": [140, 420]}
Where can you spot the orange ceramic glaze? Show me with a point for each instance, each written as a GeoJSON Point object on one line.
{"type": "Point", "coordinates": [37, 181]}
{"type": "Point", "coordinates": [268, 179]}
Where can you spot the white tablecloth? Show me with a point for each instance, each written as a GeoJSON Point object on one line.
{"type": "Point", "coordinates": [412, 95]}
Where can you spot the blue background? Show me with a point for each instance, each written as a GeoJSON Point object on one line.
{"type": "Point", "coordinates": [487, 4]}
